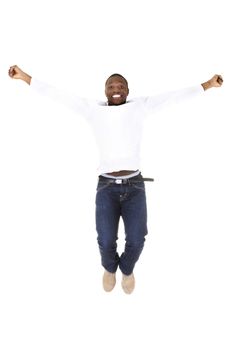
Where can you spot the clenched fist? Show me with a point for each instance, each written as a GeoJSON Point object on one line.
{"type": "Point", "coordinates": [16, 73]}
{"type": "Point", "coordinates": [215, 81]}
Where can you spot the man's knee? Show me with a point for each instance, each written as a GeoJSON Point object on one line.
{"type": "Point", "coordinates": [106, 244]}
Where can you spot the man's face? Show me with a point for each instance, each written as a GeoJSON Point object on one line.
{"type": "Point", "coordinates": [116, 91]}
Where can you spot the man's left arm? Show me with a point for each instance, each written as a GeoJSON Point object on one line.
{"type": "Point", "coordinates": [153, 103]}
{"type": "Point", "coordinates": [215, 81]}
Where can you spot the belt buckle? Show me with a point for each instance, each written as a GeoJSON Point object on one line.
{"type": "Point", "coordinates": [118, 181]}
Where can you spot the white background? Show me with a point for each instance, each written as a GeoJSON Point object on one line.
{"type": "Point", "coordinates": [51, 294]}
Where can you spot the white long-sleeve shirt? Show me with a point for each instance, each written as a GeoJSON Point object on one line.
{"type": "Point", "coordinates": [117, 129]}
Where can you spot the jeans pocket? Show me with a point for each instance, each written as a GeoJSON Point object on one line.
{"type": "Point", "coordinates": [102, 186]}
{"type": "Point", "coordinates": [139, 186]}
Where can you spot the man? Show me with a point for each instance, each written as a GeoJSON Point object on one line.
{"type": "Point", "coordinates": [117, 126]}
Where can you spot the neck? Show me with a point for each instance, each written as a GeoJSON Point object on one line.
{"type": "Point", "coordinates": [113, 104]}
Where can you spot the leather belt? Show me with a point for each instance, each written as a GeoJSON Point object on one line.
{"type": "Point", "coordinates": [124, 181]}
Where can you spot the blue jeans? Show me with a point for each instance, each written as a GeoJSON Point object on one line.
{"type": "Point", "coordinates": [129, 202]}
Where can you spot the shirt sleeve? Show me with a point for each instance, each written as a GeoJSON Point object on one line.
{"type": "Point", "coordinates": [153, 103]}
{"type": "Point", "coordinates": [77, 104]}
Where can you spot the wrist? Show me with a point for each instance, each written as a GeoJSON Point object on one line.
{"type": "Point", "coordinates": [27, 78]}
{"type": "Point", "coordinates": [206, 85]}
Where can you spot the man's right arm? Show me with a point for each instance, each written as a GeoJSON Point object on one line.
{"type": "Point", "coordinates": [16, 73]}
{"type": "Point", "coordinates": [77, 104]}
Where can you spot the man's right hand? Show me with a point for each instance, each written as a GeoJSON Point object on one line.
{"type": "Point", "coordinates": [16, 73]}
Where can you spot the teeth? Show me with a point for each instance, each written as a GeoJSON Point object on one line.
{"type": "Point", "coordinates": [116, 96]}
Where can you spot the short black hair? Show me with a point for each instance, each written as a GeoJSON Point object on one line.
{"type": "Point", "coordinates": [117, 75]}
